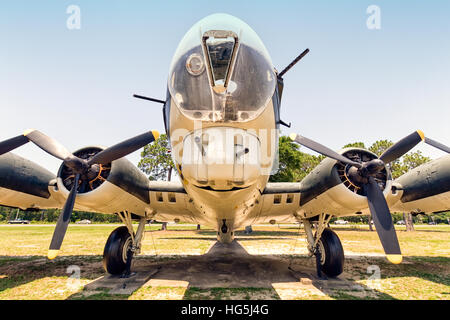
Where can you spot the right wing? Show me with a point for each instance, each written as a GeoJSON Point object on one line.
{"type": "Point", "coordinates": [425, 189]}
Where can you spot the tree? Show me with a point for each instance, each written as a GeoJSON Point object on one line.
{"type": "Point", "coordinates": [411, 161]}
{"type": "Point", "coordinates": [156, 161]}
{"type": "Point", "coordinates": [355, 145]}
{"type": "Point", "coordinates": [293, 164]}
{"type": "Point", "coordinates": [379, 147]}
{"type": "Point", "coordinates": [288, 161]}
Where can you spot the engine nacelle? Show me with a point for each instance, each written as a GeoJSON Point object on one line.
{"type": "Point", "coordinates": [106, 188]}
{"type": "Point", "coordinates": [333, 190]}
{"type": "Point", "coordinates": [424, 189]}
{"type": "Point", "coordinates": [26, 185]}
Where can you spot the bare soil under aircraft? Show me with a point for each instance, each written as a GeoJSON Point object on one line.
{"type": "Point", "coordinates": [424, 274]}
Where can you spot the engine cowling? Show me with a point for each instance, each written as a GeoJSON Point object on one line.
{"type": "Point", "coordinates": [335, 190]}
{"type": "Point", "coordinates": [26, 185]}
{"type": "Point", "coordinates": [106, 188]}
{"type": "Point", "coordinates": [425, 189]}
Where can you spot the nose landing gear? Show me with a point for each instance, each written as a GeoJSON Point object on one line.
{"type": "Point", "coordinates": [225, 234]}
{"type": "Point", "coordinates": [224, 228]}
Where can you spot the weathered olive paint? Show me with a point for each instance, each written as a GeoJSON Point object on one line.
{"type": "Point", "coordinates": [22, 175]}
{"type": "Point", "coordinates": [282, 187]}
{"type": "Point", "coordinates": [324, 177]}
{"type": "Point", "coordinates": [129, 178]}
{"type": "Point", "coordinates": [427, 180]}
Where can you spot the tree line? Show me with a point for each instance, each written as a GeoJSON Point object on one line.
{"type": "Point", "coordinates": [51, 215]}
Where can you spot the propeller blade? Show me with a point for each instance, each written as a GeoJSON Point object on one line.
{"type": "Point", "coordinates": [310, 144]}
{"type": "Point", "coordinates": [13, 143]}
{"type": "Point", "coordinates": [123, 148]}
{"type": "Point", "coordinates": [402, 146]}
{"type": "Point", "coordinates": [436, 144]}
{"type": "Point", "coordinates": [48, 144]}
{"type": "Point", "coordinates": [63, 221]}
{"type": "Point", "coordinates": [383, 221]}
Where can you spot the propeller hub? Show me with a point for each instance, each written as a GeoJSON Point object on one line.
{"type": "Point", "coordinates": [77, 165]}
{"type": "Point", "coordinates": [92, 172]}
{"type": "Point", "coordinates": [360, 176]}
{"type": "Point", "coordinates": [91, 176]}
{"type": "Point", "coordinates": [371, 168]}
{"type": "Point", "coordinates": [356, 177]}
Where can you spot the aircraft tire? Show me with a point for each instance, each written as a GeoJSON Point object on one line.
{"type": "Point", "coordinates": [332, 260]}
{"type": "Point", "coordinates": [114, 254]}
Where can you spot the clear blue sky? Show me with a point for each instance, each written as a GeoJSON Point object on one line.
{"type": "Point", "coordinates": [356, 84]}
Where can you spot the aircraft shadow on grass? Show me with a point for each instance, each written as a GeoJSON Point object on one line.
{"type": "Point", "coordinates": [223, 266]}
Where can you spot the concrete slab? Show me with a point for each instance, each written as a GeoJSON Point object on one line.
{"type": "Point", "coordinates": [114, 284]}
{"type": "Point", "coordinates": [309, 277]}
{"type": "Point", "coordinates": [225, 266]}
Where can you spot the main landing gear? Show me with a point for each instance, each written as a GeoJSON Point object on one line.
{"type": "Point", "coordinates": [326, 247]}
{"type": "Point", "coordinates": [123, 243]}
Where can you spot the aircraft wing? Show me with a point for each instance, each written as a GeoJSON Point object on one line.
{"type": "Point", "coordinates": [287, 202]}
{"type": "Point", "coordinates": [26, 185]}
{"type": "Point", "coordinates": [279, 202]}
{"type": "Point", "coordinates": [425, 189]}
{"type": "Point", "coordinates": [169, 201]}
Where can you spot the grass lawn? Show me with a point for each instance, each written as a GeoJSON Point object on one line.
{"type": "Point", "coordinates": [25, 273]}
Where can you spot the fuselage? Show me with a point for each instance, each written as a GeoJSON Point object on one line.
{"type": "Point", "coordinates": [222, 117]}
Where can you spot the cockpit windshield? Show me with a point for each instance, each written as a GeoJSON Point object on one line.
{"type": "Point", "coordinates": [221, 71]}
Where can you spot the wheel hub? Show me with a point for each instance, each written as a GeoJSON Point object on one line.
{"type": "Point", "coordinates": [322, 252]}
{"type": "Point", "coordinates": [126, 247]}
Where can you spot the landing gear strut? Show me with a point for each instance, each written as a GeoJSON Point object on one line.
{"type": "Point", "coordinates": [318, 262]}
{"type": "Point", "coordinates": [121, 246]}
{"type": "Point", "coordinates": [225, 234]}
{"type": "Point", "coordinates": [326, 247]}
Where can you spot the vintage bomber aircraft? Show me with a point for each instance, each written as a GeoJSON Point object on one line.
{"type": "Point", "coordinates": [222, 113]}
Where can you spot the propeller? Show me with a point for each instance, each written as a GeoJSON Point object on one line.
{"type": "Point", "coordinates": [407, 143]}
{"type": "Point", "coordinates": [82, 168]}
{"type": "Point", "coordinates": [63, 221]}
{"type": "Point", "coordinates": [383, 221]}
{"type": "Point", "coordinates": [363, 174]}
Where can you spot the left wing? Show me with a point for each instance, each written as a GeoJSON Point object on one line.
{"type": "Point", "coordinates": [425, 189]}
{"type": "Point", "coordinates": [26, 185]}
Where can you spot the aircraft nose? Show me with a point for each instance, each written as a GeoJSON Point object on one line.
{"type": "Point", "coordinates": [221, 158]}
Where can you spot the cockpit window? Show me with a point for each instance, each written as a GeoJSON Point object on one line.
{"type": "Point", "coordinates": [220, 46]}
{"type": "Point", "coordinates": [219, 53]}
{"type": "Point", "coordinates": [221, 71]}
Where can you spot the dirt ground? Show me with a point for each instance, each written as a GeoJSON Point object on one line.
{"type": "Point", "coordinates": [271, 263]}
